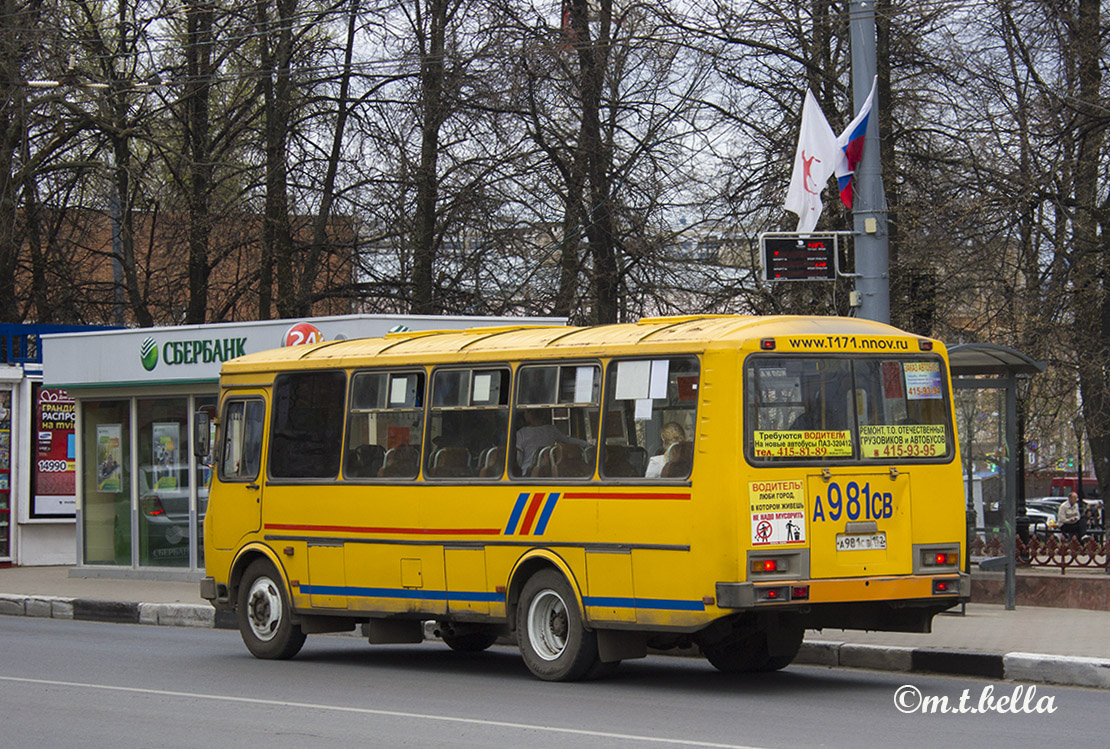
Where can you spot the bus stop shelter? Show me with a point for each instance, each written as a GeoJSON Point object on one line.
{"type": "Point", "coordinates": [991, 366]}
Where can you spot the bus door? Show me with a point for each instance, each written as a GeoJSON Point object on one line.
{"type": "Point", "coordinates": [236, 509]}
{"type": "Point", "coordinates": [859, 523]}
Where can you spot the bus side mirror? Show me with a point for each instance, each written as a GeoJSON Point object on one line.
{"type": "Point", "coordinates": [201, 431]}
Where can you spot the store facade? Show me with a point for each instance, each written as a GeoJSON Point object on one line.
{"type": "Point", "coordinates": [37, 469]}
{"type": "Point", "coordinates": [141, 494]}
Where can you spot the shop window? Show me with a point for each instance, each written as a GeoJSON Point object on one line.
{"type": "Point", "coordinates": [555, 421]}
{"type": "Point", "coordinates": [385, 425]}
{"type": "Point", "coordinates": [165, 482]}
{"type": "Point", "coordinates": [468, 424]}
{"type": "Point", "coordinates": [307, 434]}
{"type": "Point", "coordinates": [650, 417]}
{"type": "Point", "coordinates": [106, 502]}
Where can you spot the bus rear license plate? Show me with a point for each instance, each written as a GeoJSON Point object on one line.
{"type": "Point", "coordinates": [860, 541]}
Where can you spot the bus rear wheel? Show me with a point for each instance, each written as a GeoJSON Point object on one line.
{"type": "Point", "coordinates": [554, 642]}
{"type": "Point", "coordinates": [265, 616]}
{"type": "Point", "coordinates": [469, 642]}
{"type": "Point", "coordinates": [749, 650]}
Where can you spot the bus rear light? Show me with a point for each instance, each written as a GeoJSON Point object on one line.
{"type": "Point", "coordinates": [772, 594]}
{"type": "Point", "coordinates": [943, 587]}
{"type": "Point", "coordinates": [925, 345]}
{"type": "Point", "coordinates": [799, 592]}
{"type": "Point", "coordinates": [765, 565]}
{"type": "Point", "coordinates": [932, 558]}
{"type": "Point", "coordinates": [767, 344]}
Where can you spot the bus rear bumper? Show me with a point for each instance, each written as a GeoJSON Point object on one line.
{"type": "Point", "coordinates": [927, 590]}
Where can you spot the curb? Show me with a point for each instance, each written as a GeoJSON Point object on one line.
{"type": "Point", "coordinates": [1029, 667]}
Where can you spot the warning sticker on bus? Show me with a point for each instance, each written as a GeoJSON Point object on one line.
{"type": "Point", "coordinates": [802, 444]}
{"type": "Point", "coordinates": [778, 511]}
{"type": "Point", "coordinates": [903, 440]}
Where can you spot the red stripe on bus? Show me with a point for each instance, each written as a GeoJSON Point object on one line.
{"type": "Point", "coordinates": [533, 508]}
{"type": "Point", "coordinates": [414, 531]}
{"type": "Point", "coordinates": [623, 495]}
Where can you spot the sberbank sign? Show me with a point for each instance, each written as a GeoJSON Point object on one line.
{"type": "Point", "coordinates": [201, 351]}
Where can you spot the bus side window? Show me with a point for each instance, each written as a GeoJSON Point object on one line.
{"type": "Point", "coordinates": [385, 418]}
{"type": "Point", "coordinates": [555, 420]}
{"type": "Point", "coordinates": [241, 449]}
{"type": "Point", "coordinates": [651, 409]}
{"type": "Point", "coordinates": [307, 427]}
{"type": "Point", "coordinates": [469, 416]}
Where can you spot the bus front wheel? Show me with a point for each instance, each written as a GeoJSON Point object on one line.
{"type": "Point", "coordinates": [265, 616]}
{"type": "Point", "coordinates": [554, 643]}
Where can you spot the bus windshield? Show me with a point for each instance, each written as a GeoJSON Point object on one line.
{"type": "Point", "coordinates": [846, 409]}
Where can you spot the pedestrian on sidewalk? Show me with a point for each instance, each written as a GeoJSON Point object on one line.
{"type": "Point", "coordinates": [1070, 518]}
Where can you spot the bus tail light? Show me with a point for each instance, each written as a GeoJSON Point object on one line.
{"type": "Point", "coordinates": [779, 564]}
{"type": "Point", "coordinates": [925, 345]}
{"type": "Point", "coordinates": [945, 587]}
{"type": "Point", "coordinates": [767, 344]}
{"type": "Point", "coordinates": [799, 593]}
{"type": "Point", "coordinates": [934, 558]}
{"type": "Point", "coordinates": [772, 594]}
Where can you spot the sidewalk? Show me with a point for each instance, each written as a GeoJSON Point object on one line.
{"type": "Point", "coordinates": [1048, 645]}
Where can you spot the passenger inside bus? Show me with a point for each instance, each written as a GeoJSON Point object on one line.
{"type": "Point", "coordinates": [671, 433]}
{"type": "Point", "coordinates": [537, 433]}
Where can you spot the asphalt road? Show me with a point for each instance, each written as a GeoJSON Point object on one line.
{"type": "Point", "coordinates": [71, 683]}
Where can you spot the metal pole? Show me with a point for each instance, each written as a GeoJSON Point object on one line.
{"type": "Point", "coordinates": [869, 210]}
{"type": "Point", "coordinates": [1009, 511]}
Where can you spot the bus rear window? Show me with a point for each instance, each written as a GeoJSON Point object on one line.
{"type": "Point", "coordinates": [839, 409]}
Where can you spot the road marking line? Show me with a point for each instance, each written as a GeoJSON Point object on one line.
{"type": "Point", "coordinates": [384, 713]}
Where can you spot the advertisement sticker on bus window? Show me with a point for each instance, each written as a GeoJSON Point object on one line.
{"type": "Point", "coordinates": [903, 440]}
{"type": "Point", "coordinates": [778, 510]}
{"type": "Point", "coordinates": [802, 444]}
{"type": "Point", "coordinates": [923, 381]}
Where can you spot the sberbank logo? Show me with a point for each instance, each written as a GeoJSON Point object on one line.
{"type": "Point", "coordinates": [149, 353]}
{"type": "Point", "coordinates": [191, 352]}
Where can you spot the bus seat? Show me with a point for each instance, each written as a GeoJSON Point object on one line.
{"type": "Point", "coordinates": [450, 462]}
{"type": "Point", "coordinates": [364, 461]}
{"type": "Point", "coordinates": [400, 462]}
{"type": "Point", "coordinates": [617, 463]}
{"type": "Point", "coordinates": [680, 460]}
{"type": "Point", "coordinates": [541, 466]}
{"type": "Point", "coordinates": [494, 464]}
{"type": "Point", "coordinates": [567, 460]}
{"type": "Point", "coordinates": [637, 458]}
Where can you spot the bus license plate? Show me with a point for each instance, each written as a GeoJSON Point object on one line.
{"type": "Point", "coordinates": [860, 541]}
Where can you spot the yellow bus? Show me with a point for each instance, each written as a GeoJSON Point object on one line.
{"type": "Point", "coordinates": [596, 492]}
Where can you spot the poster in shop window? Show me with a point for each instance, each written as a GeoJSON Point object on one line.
{"type": "Point", "coordinates": [54, 472]}
{"type": "Point", "coordinates": [109, 454]}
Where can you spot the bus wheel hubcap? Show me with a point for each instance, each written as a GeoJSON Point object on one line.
{"type": "Point", "coordinates": [547, 625]}
{"type": "Point", "coordinates": [264, 608]}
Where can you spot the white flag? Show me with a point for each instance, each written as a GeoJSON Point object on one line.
{"type": "Point", "coordinates": [816, 159]}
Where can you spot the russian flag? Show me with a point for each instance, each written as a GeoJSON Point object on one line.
{"type": "Point", "coordinates": [851, 142]}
